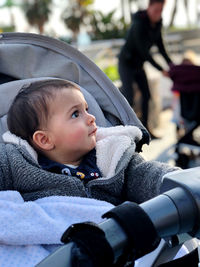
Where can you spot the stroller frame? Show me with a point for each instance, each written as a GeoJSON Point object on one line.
{"type": "Point", "coordinates": [39, 57]}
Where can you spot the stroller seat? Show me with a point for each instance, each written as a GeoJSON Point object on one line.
{"type": "Point", "coordinates": [186, 81]}
{"type": "Point", "coordinates": [29, 57]}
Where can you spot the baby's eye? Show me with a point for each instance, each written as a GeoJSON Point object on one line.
{"type": "Point", "coordinates": [75, 114]}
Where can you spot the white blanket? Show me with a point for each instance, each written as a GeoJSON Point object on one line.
{"type": "Point", "coordinates": [31, 230]}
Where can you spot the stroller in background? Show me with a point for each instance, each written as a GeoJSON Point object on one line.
{"type": "Point", "coordinates": [29, 57]}
{"type": "Point", "coordinates": [186, 81]}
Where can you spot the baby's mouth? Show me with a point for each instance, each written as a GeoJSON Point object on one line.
{"type": "Point", "coordinates": [93, 131]}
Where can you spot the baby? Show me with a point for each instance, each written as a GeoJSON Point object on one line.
{"type": "Point", "coordinates": [55, 148]}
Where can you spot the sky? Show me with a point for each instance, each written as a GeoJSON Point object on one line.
{"type": "Point", "coordinates": [58, 28]}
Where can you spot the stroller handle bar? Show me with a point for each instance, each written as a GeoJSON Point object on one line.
{"type": "Point", "coordinates": [172, 213]}
{"type": "Point", "coordinates": [176, 211]}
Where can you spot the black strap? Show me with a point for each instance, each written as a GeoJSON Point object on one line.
{"type": "Point", "coordinates": [91, 238]}
{"type": "Point", "coordinates": [141, 233]}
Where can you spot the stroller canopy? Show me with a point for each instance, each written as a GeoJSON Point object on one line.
{"type": "Point", "coordinates": [29, 57]}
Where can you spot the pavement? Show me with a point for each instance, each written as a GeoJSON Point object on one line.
{"type": "Point", "coordinates": [162, 149]}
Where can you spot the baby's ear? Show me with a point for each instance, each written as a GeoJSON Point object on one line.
{"type": "Point", "coordinates": [42, 140]}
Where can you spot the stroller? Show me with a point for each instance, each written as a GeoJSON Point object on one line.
{"type": "Point", "coordinates": [186, 81]}
{"type": "Point", "coordinates": [30, 57]}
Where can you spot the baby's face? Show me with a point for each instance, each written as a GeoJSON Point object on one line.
{"type": "Point", "coordinates": [72, 128]}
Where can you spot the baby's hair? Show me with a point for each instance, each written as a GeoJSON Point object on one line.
{"type": "Point", "coordinates": [30, 108]}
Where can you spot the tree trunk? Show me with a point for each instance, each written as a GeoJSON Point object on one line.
{"type": "Point", "coordinates": [173, 13]}
{"type": "Point", "coordinates": [187, 11]}
{"type": "Point", "coordinates": [122, 8]}
{"type": "Point", "coordinates": [41, 28]}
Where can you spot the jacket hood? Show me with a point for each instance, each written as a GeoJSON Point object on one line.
{"type": "Point", "coordinates": [10, 138]}
{"type": "Point", "coordinates": [112, 142]}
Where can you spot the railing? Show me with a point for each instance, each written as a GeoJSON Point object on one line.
{"type": "Point", "coordinates": [176, 42]}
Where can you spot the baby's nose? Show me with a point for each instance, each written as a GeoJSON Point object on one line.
{"type": "Point", "coordinates": [91, 118]}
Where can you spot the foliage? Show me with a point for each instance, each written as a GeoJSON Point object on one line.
{"type": "Point", "coordinates": [76, 14]}
{"type": "Point", "coordinates": [181, 29]}
{"type": "Point", "coordinates": [105, 26]}
{"type": "Point", "coordinates": [37, 12]}
{"type": "Point", "coordinates": [9, 3]}
{"type": "Point", "coordinates": [65, 39]}
{"type": "Point", "coordinates": [99, 25]}
{"type": "Point", "coordinates": [112, 72]}
{"type": "Point", "coordinates": [7, 29]}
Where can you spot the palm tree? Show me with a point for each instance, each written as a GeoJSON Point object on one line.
{"type": "Point", "coordinates": [76, 14]}
{"type": "Point", "coordinates": [171, 23]}
{"type": "Point", "coordinates": [105, 26]}
{"type": "Point", "coordinates": [187, 12]}
{"type": "Point", "coordinates": [10, 4]}
{"type": "Point", "coordinates": [174, 10]}
{"type": "Point", "coordinates": [37, 12]}
{"type": "Point", "coordinates": [126, 8]}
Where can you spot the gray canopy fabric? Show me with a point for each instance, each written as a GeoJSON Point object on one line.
{"type": "Point", "coordinates": [27, 57]}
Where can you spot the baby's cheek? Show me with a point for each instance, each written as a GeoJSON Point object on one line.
{"type": "Point", "coordinates": [77, 135]}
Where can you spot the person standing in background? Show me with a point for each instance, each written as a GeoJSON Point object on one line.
{"type": "Point", "coordinates": [144, 32]}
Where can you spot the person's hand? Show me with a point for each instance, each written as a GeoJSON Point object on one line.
{"type": "Point", "coordinates": [165, 73]}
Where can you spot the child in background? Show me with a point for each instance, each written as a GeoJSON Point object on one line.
{"type": "Point", "coordinates": [188, 59]}
{"type": "Point", "coordinates": [55, 148]}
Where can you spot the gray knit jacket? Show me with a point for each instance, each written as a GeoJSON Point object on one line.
{"type": "Point", "coordinates": [126, 175]}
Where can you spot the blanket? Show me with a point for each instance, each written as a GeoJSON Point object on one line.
{"type": "Point", "coordinates": [31, 230]}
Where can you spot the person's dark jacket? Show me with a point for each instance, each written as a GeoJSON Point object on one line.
{"type": "Point", "coordinates": [140, 38]}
